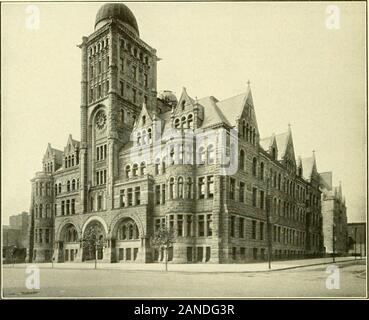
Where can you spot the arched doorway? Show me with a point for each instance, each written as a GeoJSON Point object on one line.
{"type": "Point", "coordinates": [70, 243]}
{"type": "Point", "coordinates": [93, 241]}
{"type": "Point", "coordinates": [127, 241]}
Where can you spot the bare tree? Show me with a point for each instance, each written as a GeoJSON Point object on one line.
{"type": "Point", "coordinates": [163, 239]}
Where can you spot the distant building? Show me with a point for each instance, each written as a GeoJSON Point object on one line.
{"type": "Point", "coordinates": [356, 238]}
{"type": "Point", "coordinates": [334, 216]}
{"type": "Point", "coordinates": [15, 238]}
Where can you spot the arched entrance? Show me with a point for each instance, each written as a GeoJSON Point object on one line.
{"type": "Point", "coordinates": [93, 241]}
{"type": "Point", "coordinates": [126, 240]}
{"type": "Point", "coordinates": [69, 243]}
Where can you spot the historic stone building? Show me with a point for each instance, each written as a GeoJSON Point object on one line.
{"type": "Point", "coordinates": [334, 216]}
{"type": "Point", "coordinates": [146, 160]}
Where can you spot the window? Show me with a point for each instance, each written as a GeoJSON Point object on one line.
{"type": "Point", "coordinates": [130, 197]}
{"type": "Point", "coordinates": [261, 230]}
{"type": "Point", "coordinates": [163, 194]}
{"type": "Point", "coordinates": [211, 154]}
{"type": "Point", "coordinates": [73, 205]}
{"type": "Point", "coordinates": [99, 202]}
{"type": "Point", "coordinates": [171, 188]}
{"type": "Point", "coordinates": [134, 95]}
{"type": "Point", "coordinates": [254, 166]}
{"type": "Point", "coordinates": [261, 199]}
{"type": "Point", "coordinates": [180, 225]}
{"type": "Point", "coordinates": [157, 194]}
{"type": "Point", "coordinates": [121, 86]}
{"type": "Point", "coordinates": [135, 170]}
{"type": "Point", "coordinates": [143, 169]}
{"type": "Point", "coordinates": [209, 225]}
{"type": "Point", "coordinates": [253, 232]}
{"type": "Point", "coordinates": [146, 80]}
{"type": "Point", "coordinates": [201, 155]}
{"type": "Point", "coordinates": [242, 192]}
{"type": "Point", "coordinates": [189, 188]}
{"type": "Point", "coordinates": [254, 196]}
{"type": "Point", "coordinates": [232, 227]}
{"type": "Point", "coordinates": [201, 188]}
{"type": "Point", "coordinates": [189, 226]}
{"type": "Point", "coordinates": [262, 171]}
{"type": "Point", "coordinates": [121, 199]}
{"type": "Point", "coordinates": [73, 184]}
{"type": "Point", "coordinates": [180, 188]}
{"type": "Point", "coordinates": [232, 186]}
{"type": "Point", "coordinates": [242, 160]}
{"type": "Point", "coordinates": [68, 185]}
{"type": "Point", "coordinates": [68, 207]}
{"type": "Point", "coordinates": [201, 225]}
{"type": "Point", "coordinates": [210, 186]}
{"type": "Point", "coordinates": [137, 196]}
{"type": "Point", "coordinates": [241, 228]}
{"type": "Point", "coordinates": [128, 170]}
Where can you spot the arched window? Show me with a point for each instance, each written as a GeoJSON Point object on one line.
{"type": "Point", "coordinates": [244, 129]}
{"type": "Point", "coordinates": [130, 231]}
{"type": "Point", "coordinates": [254, 166]}
{"type": "Point", "coordinates": [189, 188]}
{"type": "Point", "coordinates": [59, 187]}
{"type": "Point", "coordinates": [68, 185]}
{"type": "Point", "coordinates": [143, 169]}
{"type": "Point", "coordinates": [135, 170]}
{"type": "Point", "coordinates": [128, 171]}
{"type": "Point", "coordinates": [73, 184]}
{"type": "Point", "coordinates": [55, 189]}
{"type": "Point", "coordinates": [180, 188]}
{"type": "Point", "coordinates": [66, 162]}
{"type": "Point", "coordinates": [183, 105]}
{"type": "Point", "coordinates": [190, 121]}
{"type": "Point", "coordinates": [157, 166]}
{"type": "Point", "coordinates": [262, 170]}
{"type": "Point", "coordinates": [201, 155]}
{"type": "Point", "coordinates": [149, 134]}
{"type": "Point", "coordinates": [211, 154]}
{"type": "Point", "coordinates": [73, 160]}
{"type": "Point", "coordinates": [242, 159]}
{"type": "Point", "coordinates": [176, 123]}
{"type": "Point", "coordinates": [183, 121]}
{"type": "Point", "coordinates": [121, 115]}
{"type": "Point", "coordinates": [171, 154]}
{"type": "Point", "coordinates": [139, 138]}
{"type": "Point", "coordinates": [163, 165]}
{"type": "Point", "coordinates": [253, 137]}
{"type": "Point", "coordinates": [143, 120]}
{"type": "Point", "coordinates": [171, 188]}
{"type": "Point", "coordinates": [69, 161]}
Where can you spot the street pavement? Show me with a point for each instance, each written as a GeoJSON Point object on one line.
{"type": "Point", "coordinates": [302, 282]}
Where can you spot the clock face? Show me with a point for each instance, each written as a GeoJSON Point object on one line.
{"type": "Point", "coordinates": [101, 120]}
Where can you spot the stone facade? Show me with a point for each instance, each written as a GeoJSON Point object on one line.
{"type": "Point", "coordinates": [334, 216]}
{"type": "Point", "coordinates": [145, 160]}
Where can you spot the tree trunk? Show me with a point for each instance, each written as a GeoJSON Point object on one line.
{"type": "Point", "coordinates": [166, 259]}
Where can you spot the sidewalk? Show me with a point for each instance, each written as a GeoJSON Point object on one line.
{"type": "Point", "coordinates": [213, 268]}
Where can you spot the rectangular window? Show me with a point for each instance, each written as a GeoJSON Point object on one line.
{"type": "Point", "coordinates": [254, 196]}
{"type": "Point", "coordinates": [146, 80]}
{"type": "Point", "coordinates": [68, 207]}
{"type": "Point", "coordinates": [261, 230]}
{"type": "Point", "coordinates": [134, 95]}
{"type": "Point", "coordinates": [137, 196]}
{"type": "Point", "coordinates": [157, 194]}
{"type": "Point", "coordinates": [73, 206]}
{"type": "Point", "coordinates": [201, 188]}
{"type": "Point", "coordinates": [210, 182]}
{"type": "Point", "coordinates": [234, 253]}
{"type": "Point", "coordinates": [180, 225]}
{"type": "Point", "coordinates": [261, 199]}
{"type": "Point", "coordinates": [171, 222]}
{"type": "Point", "coordinates": [130, 197]}
{"type": "Point", "coordinates": [253, 232]}
{"type": "Point", "coordinates": [157, 224]}
{"type": "Point", "coordinates": [163, 193]}
{"type": "Point", "coordinates": [189, 226]}
{"type": "Point", "coordinates": [201, 225]}
{"type": "Point", "coordinates": [121, 85]}
{"type": "Point", "coordinates": [232, 227]}
{"type": "Point", "coordinates": [232, 186]}
{"type": "Point", "coordinates": [121, 199]}
{"type": "Point", "coordinates": [241, 228]}
{"type": "Point", "coordinates": [242, 192]}
{"type": "Point", "coordinates": [128, 254]}
{"type": "Point", "coordinates": [99, 202]}
{"type": "Point", "coordinates": [209, 225]}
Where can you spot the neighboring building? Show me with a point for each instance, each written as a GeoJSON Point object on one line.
{"type": "Point", "coordinates": [357, 238]}
{"type": "Point", "coordinates": [15, 238]}
{"type": "Point", "coordinates": [147, 160]}
{"type": "Point", "coordinates": [334, 216]}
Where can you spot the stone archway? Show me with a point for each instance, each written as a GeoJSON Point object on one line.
{"type": "Point", "coordinates": [69, 243]}
{"type": "Point", "coordinates": [126, 240]}
{"type": "Point", "coordinates": [94, 236]}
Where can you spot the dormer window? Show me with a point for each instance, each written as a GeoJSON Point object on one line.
{"type": "Point", "coordinates": [176, 123]}
{"type": "Point", "coordinates": [143, 120]}
{"type": "Point", "coordinates": [183, 105]}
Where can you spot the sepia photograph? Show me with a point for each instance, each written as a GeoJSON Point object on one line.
{"type": "Point", "coordinates": [184, 150]}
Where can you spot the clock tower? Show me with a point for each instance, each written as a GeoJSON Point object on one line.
{"type": "Point", "coordinates": [118, 77]}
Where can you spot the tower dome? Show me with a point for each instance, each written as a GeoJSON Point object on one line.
{"type": "Point", "coordinates": [117, 11]}
{"type": "Point", "coordinates": [168, 97]}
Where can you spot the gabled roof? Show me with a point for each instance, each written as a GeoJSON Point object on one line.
{"type": "Point", "coordinates": [326, 180]}
{"type": "Point", "coordinates": [144, 112]}
{"type": "Point", "coordinates": [232, 108]}
{"type": "Point", "coordinates": [282, 142]}
{"type": "Point", "coordinates": [267, 143]}
{"type": "Point", "coordinates": [308, 167]}
{"type": "Point", "coordinates": [50, 151]}
{"type": "Point", "coordinates": [212, 114]}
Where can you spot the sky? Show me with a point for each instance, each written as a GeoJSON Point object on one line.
{"type": "Point", "coordinates": [301, 72]}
